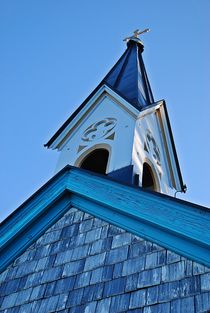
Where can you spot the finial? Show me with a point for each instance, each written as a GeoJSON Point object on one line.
{"type": "Point", "coordinates": [136, 34]}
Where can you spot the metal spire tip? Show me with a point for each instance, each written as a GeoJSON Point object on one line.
{"type": "Point", "coordinates": [136, 34]}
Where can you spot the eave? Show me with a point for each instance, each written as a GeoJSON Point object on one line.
{"type": "Point", "coordinates": [175, 224]}
{"type": "Point", "coordinates": [183, 187]}
{"type": "Point", "coordinates": [85, 106]}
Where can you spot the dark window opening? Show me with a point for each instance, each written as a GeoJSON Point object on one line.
{"type": "Point", "coordinates": [147, 179]}
{"type": "Point", "coordinates": [136, 179]}
{"type": "Point", "coordinates": [96, 161]}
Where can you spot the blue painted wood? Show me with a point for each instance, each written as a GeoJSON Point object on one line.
{"type": "Point", "coordinates": [33, 230]}
{"type": "Point", "coordinates": [152, 232]}
{"type": "Point", "coordinates": [175, 224]}
{"type": "Point", "coordinates": [124, 174]}
{"type": "Point", "coordinates": [30, 210]}
{"type": "Point", "coordinates": [163, 211]}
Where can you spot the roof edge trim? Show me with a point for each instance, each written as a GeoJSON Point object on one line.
{"type": "Point", "coordinates": [104, 87]}
{"type": "Point", "coordinates": [178, 226]}
{"type": "Point", "coordinates": [183, 186]}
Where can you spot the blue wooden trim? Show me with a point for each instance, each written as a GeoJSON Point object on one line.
{"type": "Point", "coordinates": [174, 224]}
{"type": "Point", "coordinates": [33, 230]}
{"type": "Point", "coordinates": [149, 231]}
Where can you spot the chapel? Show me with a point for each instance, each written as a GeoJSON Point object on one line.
{"type": "Point", "coordinates": [106, 233]}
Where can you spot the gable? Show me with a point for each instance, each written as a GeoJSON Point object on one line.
{"type": "Point", "coordinates": [154, 144]}
{"type": "Point", "coordinates": [104, 124]}
{"type": "Point", "coordinates": [88, 105]}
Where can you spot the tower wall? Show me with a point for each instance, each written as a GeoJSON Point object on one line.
{"type": "Point", "coordinates": [149, 147]}
{"type": "Point", "coordinates": [106, 125]}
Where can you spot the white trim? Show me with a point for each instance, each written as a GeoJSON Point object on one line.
{"type": "Point", "coordinates": [103, 91]}
{"type": "Point", "coordinates": [160, 107]}
{"type": "Point", "coordinates": [153, 173]}
{"type": "Point", "coordinates": [170, 149]}
{"type": "Point", "coordinates": [150, 110]}
{"type": "Point", "coordinates": [82, 157]}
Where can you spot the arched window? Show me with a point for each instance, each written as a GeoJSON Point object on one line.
{"type": "Point", "coordinates": [96, 161]}
{"type": "Point", "coordinates": [148, 181]}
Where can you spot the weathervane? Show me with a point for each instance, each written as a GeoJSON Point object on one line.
{"type": "Point", "coordinates": [136, 34]}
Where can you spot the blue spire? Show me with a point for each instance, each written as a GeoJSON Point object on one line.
{"type": "Point", "coordinates": [128, 76]}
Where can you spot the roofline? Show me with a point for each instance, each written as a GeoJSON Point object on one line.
{"type": "Point", "coordinates": [72, 116]}
{"type": "Point", "coordinates": [177, 226]}
{"type": "Point", "coordinates": [183, 186]}
{"type": "Point", "coordinates": [69, 167]}
{"type": "Point", "coordinates": [76, 112]}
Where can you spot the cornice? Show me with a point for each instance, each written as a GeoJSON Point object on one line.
{"type": "Point", "coordinates": [175, 224]}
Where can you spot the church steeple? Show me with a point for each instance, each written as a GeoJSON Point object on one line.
{"type": "Point", "coordinates": [128, 76]}
{"type": "Point", "coordinates": [120, 131]}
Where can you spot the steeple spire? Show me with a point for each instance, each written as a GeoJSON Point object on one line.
{"type": "Point", "coordinates": [109, 134]}
{"type": "Point", "coordinates": [128, 77]}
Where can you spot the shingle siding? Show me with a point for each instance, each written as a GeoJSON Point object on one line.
{"type": "Point", "coordinates": [83, 264]}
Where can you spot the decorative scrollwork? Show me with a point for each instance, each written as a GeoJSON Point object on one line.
{"type": "Point", "coordinates": [151, 146]}
{"type": "Point", "coordinates": [103, 128]}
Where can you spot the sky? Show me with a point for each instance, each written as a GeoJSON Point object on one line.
{"type": "Point", "coordinates": [54, 53]}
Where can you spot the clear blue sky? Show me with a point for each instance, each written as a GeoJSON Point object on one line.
{"type": "Point", "coordinates": [54, 53]}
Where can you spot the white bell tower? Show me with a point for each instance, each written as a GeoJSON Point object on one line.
{"type": "Point", "coordinates": [120, 131]}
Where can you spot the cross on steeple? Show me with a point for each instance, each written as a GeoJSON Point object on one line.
{"type": "Point", "coordinates": [136, 34]}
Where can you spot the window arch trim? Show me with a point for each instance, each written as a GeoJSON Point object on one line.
{"type": "Point", "coordinates": [153, 173]}
{"type": "Point", "coordinates": [86, 153]}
